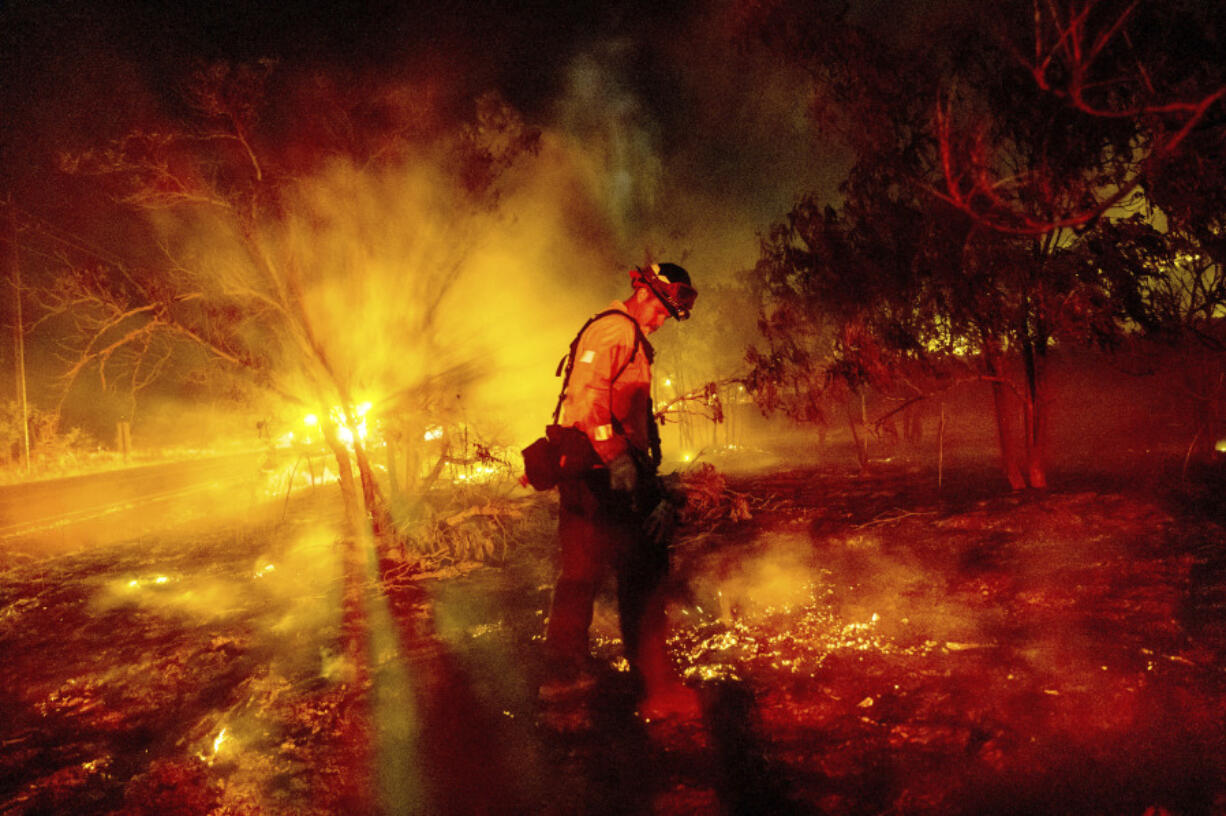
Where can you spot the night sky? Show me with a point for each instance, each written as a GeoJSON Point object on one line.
{"type": "Point", "coordinates": [723, 119]}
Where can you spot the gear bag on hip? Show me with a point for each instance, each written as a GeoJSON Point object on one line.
{"type": "Point", "coordinates": [566, 452]}
{"type": "Point", "coordinates": [562, 453]}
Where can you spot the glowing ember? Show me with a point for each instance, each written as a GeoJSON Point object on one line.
{"type": "Point", "coordinates": [156, 580]}
{"type": "Point", "coordinates": [479, 473]}
{"type": "Point", "coordinates": [796, 639]}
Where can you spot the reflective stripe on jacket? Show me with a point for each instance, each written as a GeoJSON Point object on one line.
{"type": "Point", "coordinates": [594, 398]}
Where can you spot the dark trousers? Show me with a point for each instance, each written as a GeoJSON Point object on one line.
{"type": "Point", "coordinates": [598, 531]}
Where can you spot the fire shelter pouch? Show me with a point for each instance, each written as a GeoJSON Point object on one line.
{"type": "Point", "coordinates": [562, 453]}
{"type": "Point", "coordinates": [575, 452]}
{"type": "Point", "coordinates": [541, 464]}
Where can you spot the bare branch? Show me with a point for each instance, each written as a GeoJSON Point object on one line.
{"type": "Point", "coordinates": [1032, 205]}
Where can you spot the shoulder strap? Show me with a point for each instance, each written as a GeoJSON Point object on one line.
{"type": "Point", "coordinates": [640, 341]}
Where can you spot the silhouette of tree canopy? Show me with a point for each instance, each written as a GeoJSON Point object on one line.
{"type": "Point", "coordinates": [992, 146]}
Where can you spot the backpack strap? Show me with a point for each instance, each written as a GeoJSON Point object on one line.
{"type": "Point", "coordinates": [640, 341]}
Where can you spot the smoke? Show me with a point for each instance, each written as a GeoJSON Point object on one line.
{"type": "Point", "coordinates": [661, 139]}
{"type": "Point", "coordinates": [779, 573]}
{"type": "Point", "coordinates": [410, 296]}
{"type": "Point", "coordinates": [855, 581]}
{"type": "Point", "coordinates": [694, 140]}
{"type": "Point", "coordinates": [616, 139]}
{"type": "Point", "coordinates": [288, 587]}
{"type": "Point", "coordinates": [411, 293]}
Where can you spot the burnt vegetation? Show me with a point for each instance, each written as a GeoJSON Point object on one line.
{"type": "Point", "coordinates": [980, 569]}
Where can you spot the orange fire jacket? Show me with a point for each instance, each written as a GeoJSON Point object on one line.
{"type": "Point", "coordinates": [597, 393]}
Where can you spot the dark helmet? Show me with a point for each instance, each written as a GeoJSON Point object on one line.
{"type": "Point", "coordinates": [670, 283]}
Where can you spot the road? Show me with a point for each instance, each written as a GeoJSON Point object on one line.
{"type": "Point", "coordinates": [57, 515]}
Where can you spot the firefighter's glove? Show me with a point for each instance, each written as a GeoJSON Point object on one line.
{"type": "Point", "coordinates": [661, 523]}
{"type": "Point", "coordinates": [623, 474]}
{"type": "Point", "coordinates": [672, 488]}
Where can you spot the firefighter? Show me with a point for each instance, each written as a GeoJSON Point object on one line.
{"type": "Point", "coordinates": [617, 512]}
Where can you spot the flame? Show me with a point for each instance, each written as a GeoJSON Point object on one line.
{"type": "Point", "coordinates": [796, 638]}
{"type": "Point", "coordinates": [217, 741]}
{"type": "Point", "coordinates": [343, 431]}
{"type": "Point", "coordinates": [137, 583]}
{"type": "Point", "coordinates": [479, 473]}
{"type": "Point", "coordinates": [339, 417]}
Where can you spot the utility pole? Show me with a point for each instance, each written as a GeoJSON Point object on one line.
{"type": "Point", "coordinates": [19, 335]}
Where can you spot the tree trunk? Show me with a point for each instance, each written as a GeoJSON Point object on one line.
{"type": "Point", "coordinates": [1010, 456]}
{"type": "Point", "coordinates": [889, 432]}
{"type": "Point", "coordinates": [372, 498]}
{"type": "Point", "coordinates": [375, 518]}
{"type": "Point", "coordinates": [913, 424]}
{"type": "Point", "coordinates": [1036, 415]}
{"type": "Point", "coordinates": [941, 447]}
{"type": "Point", "coordinates": [344, 470]}
{"type": "Point", "coordinates": [1204, 382]}
{"type": "Point", "coordinates": [858, 435]}
{"type": "Point", "coordinates": [393, 478]}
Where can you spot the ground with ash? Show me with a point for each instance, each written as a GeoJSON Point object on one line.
{"type": "Point", "coordinates": [863, 644]}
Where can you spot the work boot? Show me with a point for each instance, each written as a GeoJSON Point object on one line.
{"type": "Point", "coordinates": [674, 700]}
{"type": "Point", "coordinates": [565, 680]}
{"type": "Point", "coordinates": [664, 696]}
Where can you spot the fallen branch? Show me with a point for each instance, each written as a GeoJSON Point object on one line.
{"type": "Point", "coordinates": [883, 519]}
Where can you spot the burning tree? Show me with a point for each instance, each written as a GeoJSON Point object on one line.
{"type": "Point", "coordinates": [980, 175]}
{"type": "Point", "coordinates": [305, 239]}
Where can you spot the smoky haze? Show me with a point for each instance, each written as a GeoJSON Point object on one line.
{"type": "Point", "coordinates": [663, 138]}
